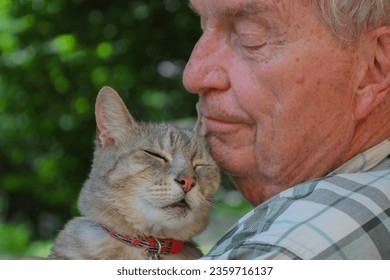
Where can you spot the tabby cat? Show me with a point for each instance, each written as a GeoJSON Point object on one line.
{"type": "Point", "coordinates": [149, 191]}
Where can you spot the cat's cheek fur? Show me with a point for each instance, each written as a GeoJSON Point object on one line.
{"type": "Point", "coordinates": [150, 215]}
{"type": "Point", "coordinates": [208, 176]}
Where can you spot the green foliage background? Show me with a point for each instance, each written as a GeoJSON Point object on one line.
{"type": "Point", "coordinates": [54, 57]}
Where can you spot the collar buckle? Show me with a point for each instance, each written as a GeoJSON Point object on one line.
{"type": "Point", "coordinates": [155, 255]}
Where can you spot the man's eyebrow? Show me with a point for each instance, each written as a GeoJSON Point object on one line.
{"type": "Point", "coordinates": [249, 10]}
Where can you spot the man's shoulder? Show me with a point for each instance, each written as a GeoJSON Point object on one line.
{"type": "Point", "coordinates": [343, 216]}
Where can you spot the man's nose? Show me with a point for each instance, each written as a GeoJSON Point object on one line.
{"type": "Point", "coordinates": [206, 68]}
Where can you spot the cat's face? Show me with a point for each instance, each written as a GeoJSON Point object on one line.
{"type": "Point", "coordinates": [155, 177]}
{"type": "Point", "coordinates": [166, 181]}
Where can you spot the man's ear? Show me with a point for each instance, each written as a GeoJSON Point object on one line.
{"type": "Point", "coordinates": [112, 117]}
{"type": "Point", "coordinates": [375, 84]}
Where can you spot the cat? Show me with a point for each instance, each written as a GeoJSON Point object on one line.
{"type": "Point", "coordinates": [148, 193]}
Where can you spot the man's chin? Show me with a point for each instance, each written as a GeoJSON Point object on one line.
{"type": "Point", "coordinates": [236, 160]}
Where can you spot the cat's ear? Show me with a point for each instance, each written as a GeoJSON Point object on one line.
{"type": "Point", "coordinates": [112, 117]}
{"type": "Point", "coordinates": [199, 128]}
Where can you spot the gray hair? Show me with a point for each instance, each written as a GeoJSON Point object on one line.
{"type": "Point", "coordinates": [348, 19]}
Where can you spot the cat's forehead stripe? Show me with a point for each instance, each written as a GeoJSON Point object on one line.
{"type": "Point", "coordinates": [176, 138]}
{"type": "Point", "coordinates": [172, 137]}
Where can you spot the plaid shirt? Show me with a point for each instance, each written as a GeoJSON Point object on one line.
{"type": "Point", "coordinates": [345, 215]}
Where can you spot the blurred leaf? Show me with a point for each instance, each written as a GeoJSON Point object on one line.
{"type": "Point", "coordinates": [104, 50]}
{"type": "Point", "coordinates": [14, 238]}
{"type": "Point", "coordinates": [64, 43]}
{"type": "Point", "coordinates": [39, 248]}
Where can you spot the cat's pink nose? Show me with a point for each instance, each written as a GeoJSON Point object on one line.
{"type": "Point", "coordinates": [186, 183]}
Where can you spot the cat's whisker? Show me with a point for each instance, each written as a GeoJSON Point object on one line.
{"type": "Point", "coordinates": [207, 202]}
{"type": "Point", "coordinates": [149, 180]}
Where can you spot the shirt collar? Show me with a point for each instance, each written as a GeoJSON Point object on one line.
{"type": "Point", "coordinates": [366, 160]}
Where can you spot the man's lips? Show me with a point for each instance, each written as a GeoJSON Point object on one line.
{"type": "Point", "coordinates": [216, 124]}
{"type": "Point", "coordinates": [220, 120]}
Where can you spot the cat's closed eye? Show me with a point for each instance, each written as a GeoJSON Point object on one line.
{"type": "Point", "coordinates": [199, 166]}
{"type": "Point", "coordinates": [156, 155]}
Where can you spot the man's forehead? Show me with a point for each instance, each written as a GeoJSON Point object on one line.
{"type": "Point", "coordinates": [236, 8]}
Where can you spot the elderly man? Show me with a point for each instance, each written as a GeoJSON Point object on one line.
{"type": "Point", "coordinates": [295, 96]}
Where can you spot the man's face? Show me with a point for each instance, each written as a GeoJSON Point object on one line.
{"type": "Point", "coordinates": [276, 91]}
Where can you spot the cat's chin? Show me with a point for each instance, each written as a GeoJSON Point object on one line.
{"type": "Point", "coordinates": [180, 204]}
{"type": "Point", "coordinates": [177, 210]}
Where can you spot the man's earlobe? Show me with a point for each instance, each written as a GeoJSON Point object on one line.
{"type": "Point", "coordinates": [367, 99]}
{"type": "Point", "coordinates": [375, 84]}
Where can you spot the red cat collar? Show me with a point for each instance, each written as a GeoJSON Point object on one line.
{"type": "Point", "coordinates": [154, 246]}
